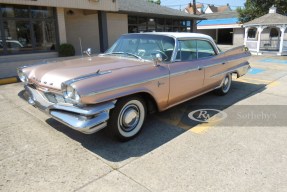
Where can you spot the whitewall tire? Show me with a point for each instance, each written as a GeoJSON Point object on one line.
{"type": "Point", "coordinates": [226, 84]}
{"type": "Point", "coordinates": [127, 118]}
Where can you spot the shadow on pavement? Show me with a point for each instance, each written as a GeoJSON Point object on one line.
{"type": "Point", "coordinates": [159, 128]}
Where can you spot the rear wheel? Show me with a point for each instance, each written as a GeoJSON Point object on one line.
{"type": "Point", "coordinates": [127, 118]}
{"type": "Point", "coordinates": [223, 90]}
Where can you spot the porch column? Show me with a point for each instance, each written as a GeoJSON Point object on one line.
{"type": "Point", "coordinates": [245, 36]}
{"type": "Point", "coordinates": [260, 29]}
{"type": "Point", "coordinates": [103, 31]}
{"type": "Point", "coordinates": [216, 36]}
{"type": "Point", "coordinates": [61, 25]}
{"type": "Point", "coordinates": [282, 29]}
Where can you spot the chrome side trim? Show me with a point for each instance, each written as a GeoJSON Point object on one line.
{"type": "Point", "coordinates": [243, 68]}
{"type": "Point", "coordinates": [184, 72]}
{"type": "Point", "coordinates": [124, 86]}
{"type": "Point", "coordinates": [98, 73]}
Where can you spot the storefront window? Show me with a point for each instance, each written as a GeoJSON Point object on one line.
{"type": "Point", "coordinates": [27, 29]}
{"type": "Point", "coordinates": [18, 36]}
{"type": "Point", "coordinates": [42, 12]}
{"type": "Point", "coordinates": [1, 44]}
{"type": "Point", "coordinates": [145, 24]}
{"type": "Point", "coordinates": [17, 11]}
{"type": "Point", "coordinates": [44, 35]}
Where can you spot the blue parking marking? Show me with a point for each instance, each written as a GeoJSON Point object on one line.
{"type": "Point", "coordinates": [274, 61]}
{"type": "Point", "coordinates": [254, 71]}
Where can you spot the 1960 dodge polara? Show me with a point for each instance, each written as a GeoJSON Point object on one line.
{"type": "Point", "coordinates": [140, 73]}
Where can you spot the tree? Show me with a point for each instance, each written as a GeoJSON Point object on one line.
{"type": "Point", "coordinates": [257, 8]}
{"type": "Point", "coordinates": [155, 1]}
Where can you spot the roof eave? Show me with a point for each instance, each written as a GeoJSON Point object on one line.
{"type": "Point", "coordinates": [263, 24]}
{"type": "Point", "coordinates": [195, 17]}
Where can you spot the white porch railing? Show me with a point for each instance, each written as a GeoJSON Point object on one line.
{"type": "Point", "coordinates": [285, 46]}
{"type": "Point", "coordinates": [269, 45]}
{"type": "Point", "coordinates": [252, 45]}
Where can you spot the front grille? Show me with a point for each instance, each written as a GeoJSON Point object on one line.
{"type": "Point", "coordinates": [55, 98]}
{"type": "Point", "coordinates": [51, 97]}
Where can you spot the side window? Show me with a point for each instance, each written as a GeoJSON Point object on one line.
{"type": "Point", "coordinates": [187, 50]}
{"type": "Point", "coordinates": [204, 49]}
{"type": "Point", "coordinates": [194, 49]}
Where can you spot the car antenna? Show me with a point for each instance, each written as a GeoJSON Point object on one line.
{"type": "Point", "coordinates": [80, 40]}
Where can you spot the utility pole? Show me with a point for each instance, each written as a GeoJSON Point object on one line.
{"type": "Point", "coordinates": [194, 7]}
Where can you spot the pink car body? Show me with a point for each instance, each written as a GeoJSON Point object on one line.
{"type": "Point", "coordinates": [96, 83]}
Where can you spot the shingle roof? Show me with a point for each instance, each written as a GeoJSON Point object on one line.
{"type": "Point", "coordinates": [268, 19]}
{"type": "Point", "coordinates": [145, 8]}
{"type": "Point", "coordinates": [226, 14]}
{"type": "Point", "coordinates": [190, 10]}
{"type": "Point", "coordinates": [223, 8]}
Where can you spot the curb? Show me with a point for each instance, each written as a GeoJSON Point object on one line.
{"type": "Point", "coordinates": [5, 81]}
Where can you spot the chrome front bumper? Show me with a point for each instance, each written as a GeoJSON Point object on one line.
{"type": "Point", "coordinates": [86, 119]}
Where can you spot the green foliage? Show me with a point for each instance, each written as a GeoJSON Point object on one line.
{"type": "Point", "coordinates": [155, 1]}
{"type": "Point", "coordinates": [66, 50]}
{"type": "Point", "coordinates": [257, 8]}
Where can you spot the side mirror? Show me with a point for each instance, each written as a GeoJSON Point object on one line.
{"type": "Point", "coordinates": [88, 52]}
{"type": "Point", "coordinates": [157, 58]}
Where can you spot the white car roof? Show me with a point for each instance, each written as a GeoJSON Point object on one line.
{"type": "Point", "coordinates": [181, 35]}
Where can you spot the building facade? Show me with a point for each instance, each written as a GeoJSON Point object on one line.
{"type": "Point", "coordinates": [34, 29]}
{"type": "Point", "coordinates": [223, 27]}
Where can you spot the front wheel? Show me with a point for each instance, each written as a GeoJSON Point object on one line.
{"type": "Point", "coordinates": [226, 84]}
{"type": "Point", "coordinates": [127, 118]}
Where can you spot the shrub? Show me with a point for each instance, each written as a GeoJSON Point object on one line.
{"type": "Point", "coordinates": [66, 50]}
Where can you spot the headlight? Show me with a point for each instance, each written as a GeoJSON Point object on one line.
{"type": "Point", "coordinates": [22, 76]}
{"type": "Point", "coordinates": [70, 92]}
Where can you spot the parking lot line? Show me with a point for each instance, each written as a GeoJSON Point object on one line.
{"type": "Point", "coordinates": [254, 79]}
{"type": "Point", "coordinates": [203, 127]}
{"type": "Point", "coordinates": [273, 84]}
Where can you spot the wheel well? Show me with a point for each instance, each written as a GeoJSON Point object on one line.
{"type": "Point", "coordinates": [150, 101]}
{"type": "Point", "coordinates": [236, 73]}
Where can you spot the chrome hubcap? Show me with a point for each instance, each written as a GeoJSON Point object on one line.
{"type": "Point", "coordinates": [129, 118]}
{"type": "Point", "coordinates": [226, 84]}
{"type": "Point", "coordinates": [226, 81]}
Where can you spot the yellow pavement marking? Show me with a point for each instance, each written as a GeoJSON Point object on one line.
{"type": "Point", "coordinates": [255, 79]}
{"type": "Point", "coordinates": [246, 81]}
{"type": "Point", "coordinates": [273, 84]}
{"type": "Point", "coordinates": [8, 80]}
{"type": "Point", "coordinates": [203, 127]}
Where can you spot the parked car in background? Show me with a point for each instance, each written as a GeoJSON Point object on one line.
{"type": "Point", "coordinates": [12, 44]}
{"type": "Point", "coordinates": [139, 74]}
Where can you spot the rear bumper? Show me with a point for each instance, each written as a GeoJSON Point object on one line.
{"type": "Point", "coordinates": [243, 69]}
{"type": "Point", "coordinates": [86, 119]}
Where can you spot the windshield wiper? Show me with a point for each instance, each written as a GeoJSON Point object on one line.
{"type": "Point", "coordinates": [123, 53]}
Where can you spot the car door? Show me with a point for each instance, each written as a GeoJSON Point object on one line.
{"type": "Point", "coordinates": [186, 75]}
{"type": "Point", "coordinates": [213, 65]}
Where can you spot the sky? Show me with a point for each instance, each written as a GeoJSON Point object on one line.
{"type": "Point", "coordinates": [177, 4]}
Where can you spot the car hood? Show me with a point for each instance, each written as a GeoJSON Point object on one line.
{"type": "Point", "coordinates": [53, 74]}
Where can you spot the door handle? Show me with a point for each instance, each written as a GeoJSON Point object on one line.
{"type": "Point", "coordinates": [223, 63]}
{"type": "Point", "coordinates": [200, 68]}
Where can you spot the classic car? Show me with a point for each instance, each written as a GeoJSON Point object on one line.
{"type": "Point", "coordinates": [140, 74]}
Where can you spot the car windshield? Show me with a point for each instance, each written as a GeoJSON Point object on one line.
{"type": "Point", "coordinates": [143, 46]}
